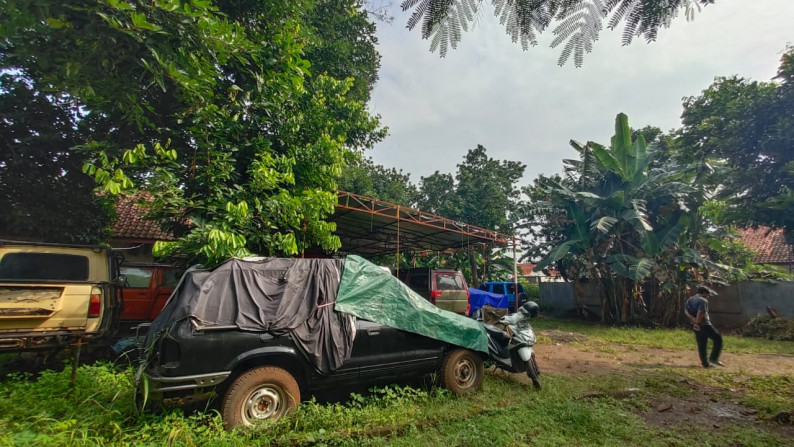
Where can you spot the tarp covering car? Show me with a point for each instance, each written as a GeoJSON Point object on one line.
{"type": "Point", "coordinates": [314, 300]}
{"type": "Point", "coordinates": [267, 294]}
{"type": "Point", "coordinates": [371, 293]}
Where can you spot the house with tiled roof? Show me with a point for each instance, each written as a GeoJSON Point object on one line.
{"type": "Point", "coordinates": [769, 245]}
{"type": "Point", "coordinates": [133, 233]}
{"type": "Point", "coordinates": [527, 271]}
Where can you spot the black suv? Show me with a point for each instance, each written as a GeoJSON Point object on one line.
{"type": "Point", "coordinates": [262, 374]}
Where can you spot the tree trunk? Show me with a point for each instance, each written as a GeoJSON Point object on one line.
{"type": "Point", "coordinates": [475, 277]}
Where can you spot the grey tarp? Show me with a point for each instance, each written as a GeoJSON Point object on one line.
{"type": "Point", "coordinates": [371, 293]}
{"type": "Point", "coordinates": [273, 294]}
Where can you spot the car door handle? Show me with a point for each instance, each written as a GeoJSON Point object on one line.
{"type": "Point", "coordinates": [373, 331]}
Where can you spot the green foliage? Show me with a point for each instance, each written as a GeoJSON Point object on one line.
{"type": "Point", "coordinates": [437, 195]}
{"type": "Point", "coordinates": [343, 45]}
{"type": "Point", "coordinates": [487, 190]}
{"type": "Point", "coordinates": [740, 133]}
{"type": "Point", "coordinates": [578, 22]}
{"type": "Point", "coordinates": [631, 226]}
{"type": "Point", "coordinates": [362, 176]}
{"type": "Point", "coordinates": [484, 193]}
{"type": "Point", "coordinates": [45, 196]}
{"type": "Point", "coordinates": [532, 290]}
{"type": "Point", "coordinates": [780, 328]}
{"type": "Point", "coordinates": [211, 107]}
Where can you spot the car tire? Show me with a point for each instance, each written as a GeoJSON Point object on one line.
{"type": "Point", "coordinates": [533, 372]}
{"type": "Point", "coordinates": [260, 394]}
{"type": "Point", "coordinates": [462, 372]}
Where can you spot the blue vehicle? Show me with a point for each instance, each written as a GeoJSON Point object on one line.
{"type": "Point", "coordinates": [479, 298]}
{"type": "Point", "coordinates": [507, 289]}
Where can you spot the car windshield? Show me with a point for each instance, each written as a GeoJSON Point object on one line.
{"type": "Point", "coordinates": [449, 281]}
{"type": "Point", "coordinates": [511, 288]}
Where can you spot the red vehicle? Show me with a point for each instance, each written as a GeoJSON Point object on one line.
{"type": "Point", "coordinates": [146, 289]}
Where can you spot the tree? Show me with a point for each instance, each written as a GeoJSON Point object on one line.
{"type": "Point", "coordinates": [741, 133]}
{"type": "Point", "coordinates": [484, 193]}
{"type": "Point", "coordinates": [210, 106]}
{"type": "Point", "coordinates": [43, 192]}
{"type": "Point", "coordinates": [632, 229]}
{"type": "Point", "coordinates": [487, 190]}
{"type": "Point", "coordinates": [362, 176]}
{"type": "Point", "coordinates": [343, 45]}
{"type": "Point", "coordinates": [438, 195]}
{"type": "Point", "coordinates": [106, 77]}
{"type": "Point", "coordinates": [578, 22]}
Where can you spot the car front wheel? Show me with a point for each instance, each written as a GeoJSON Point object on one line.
{"type": "Point", "coordinates": [264, 393]}
{"type": "Point", "coordinates": [462, 372]}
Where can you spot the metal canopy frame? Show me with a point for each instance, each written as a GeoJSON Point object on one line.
{"type": "Point", "coordinates": [372, 227]}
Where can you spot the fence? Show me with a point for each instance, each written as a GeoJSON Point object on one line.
{"type": "Point", "coordinates": [733, 306]}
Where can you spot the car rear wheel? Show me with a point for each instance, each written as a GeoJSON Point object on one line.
{"type": "Point", "coordinates": [462, 372]}
{"type": "Point", "coordinates": [261, 394]}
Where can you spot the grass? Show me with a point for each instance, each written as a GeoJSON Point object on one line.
{"type": "Point", "coordinates": [98, 409]}
{"type": "Point", "coordinates": [658, 338]}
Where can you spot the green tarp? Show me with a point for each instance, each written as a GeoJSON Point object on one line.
{"type": "Point", "coordinates": [371, 293]}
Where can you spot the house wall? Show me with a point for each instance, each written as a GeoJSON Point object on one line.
{"type": "Point", "coordinates": [557, 298]}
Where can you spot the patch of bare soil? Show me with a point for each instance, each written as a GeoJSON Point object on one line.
{"type": "Point", "coordinates": [711, 414]}
{"type": "Point", "coordinates": [563, 357]}
{"type": "Point", "coordinates": [706, 408]}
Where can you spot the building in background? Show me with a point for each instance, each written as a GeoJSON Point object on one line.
{"type": "Point", "coordinates": [770, 247]}
{"type": "Point", "coordinates": [527, 272]}
{"type": "Point", "coordinates": [134, 234]}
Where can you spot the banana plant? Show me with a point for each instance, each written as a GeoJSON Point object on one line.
{"type": "Point", "coordinates": [622, 222]}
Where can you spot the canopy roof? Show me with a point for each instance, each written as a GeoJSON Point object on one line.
{"type": "Point", "coordinates": [370, 227]}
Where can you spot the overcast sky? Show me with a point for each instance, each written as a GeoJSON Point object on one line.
{"type": "Point", "coordinates": [522, 106]}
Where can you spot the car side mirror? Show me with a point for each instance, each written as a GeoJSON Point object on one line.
{"type": "Point", "coordinates": [121, 281]}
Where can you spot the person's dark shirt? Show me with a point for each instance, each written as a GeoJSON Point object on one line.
{"type": "Point", "coordinates": [697, 303]}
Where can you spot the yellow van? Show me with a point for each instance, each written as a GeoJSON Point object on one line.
{"type": "Point", "coordinates": [52, 294]}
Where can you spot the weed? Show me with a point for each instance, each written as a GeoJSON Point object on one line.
{"type": "Point", "coordinates": [98, 411]}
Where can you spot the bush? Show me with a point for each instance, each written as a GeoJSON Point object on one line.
{"type": "Point", "coordinates": [780, 328]}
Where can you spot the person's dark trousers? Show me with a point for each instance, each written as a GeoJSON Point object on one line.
{"type": "Point", "coordinates": [702, 336]}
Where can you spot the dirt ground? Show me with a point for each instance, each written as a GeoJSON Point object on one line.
{"type": "Point", "coordinates": [565, 357]}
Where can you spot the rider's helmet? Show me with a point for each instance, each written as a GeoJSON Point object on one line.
{"type": "Point", "coordinates": [530, 308]}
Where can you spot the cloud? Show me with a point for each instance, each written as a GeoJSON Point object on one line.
{"type": "Point", "coordinates": [522, 106]}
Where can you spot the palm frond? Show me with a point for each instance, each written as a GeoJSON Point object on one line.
{"type": "Point", "coordinates": [581, 27]}
{"type": "Point", "coordinates": [443, 21]}
{"type": "Point", "coordinates": [578, 22]}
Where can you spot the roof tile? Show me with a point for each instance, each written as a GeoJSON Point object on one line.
{"type": "Point", "coordinates": [131, 223]}
{"type": "Point", "coordinates": [769, 245]}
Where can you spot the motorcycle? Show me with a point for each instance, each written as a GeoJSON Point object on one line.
{"type": "Point", "coordinates": [511, 338]}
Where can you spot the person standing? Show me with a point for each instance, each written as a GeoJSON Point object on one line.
{"type": "Point", "coordinates": [697, 309]}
